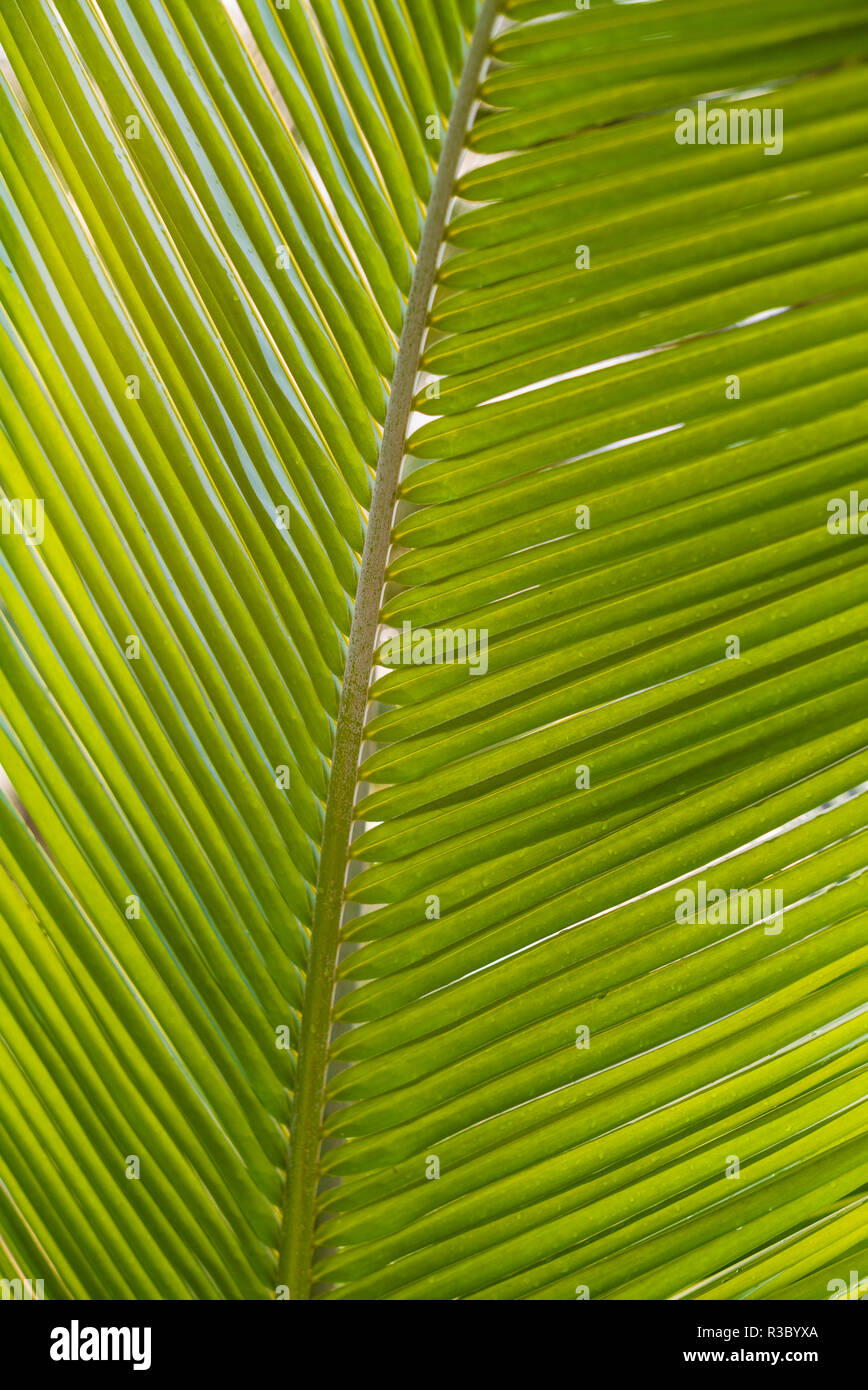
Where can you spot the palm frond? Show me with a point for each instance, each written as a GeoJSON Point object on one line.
{"type": "Point", "coordinates": [438, 634]}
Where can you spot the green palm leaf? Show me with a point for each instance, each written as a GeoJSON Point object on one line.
{"type": "Point", "coordinates": [339, 965]}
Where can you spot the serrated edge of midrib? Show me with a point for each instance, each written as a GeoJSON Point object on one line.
{"type": "Point", "coordinates": [295, 1257]}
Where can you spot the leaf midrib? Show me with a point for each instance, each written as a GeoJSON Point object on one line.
{"type": "Point", "coordinates": [295, 1259]}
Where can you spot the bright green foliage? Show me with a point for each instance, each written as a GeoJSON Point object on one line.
{"type": "Point", "coordinates": [643, 385]}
